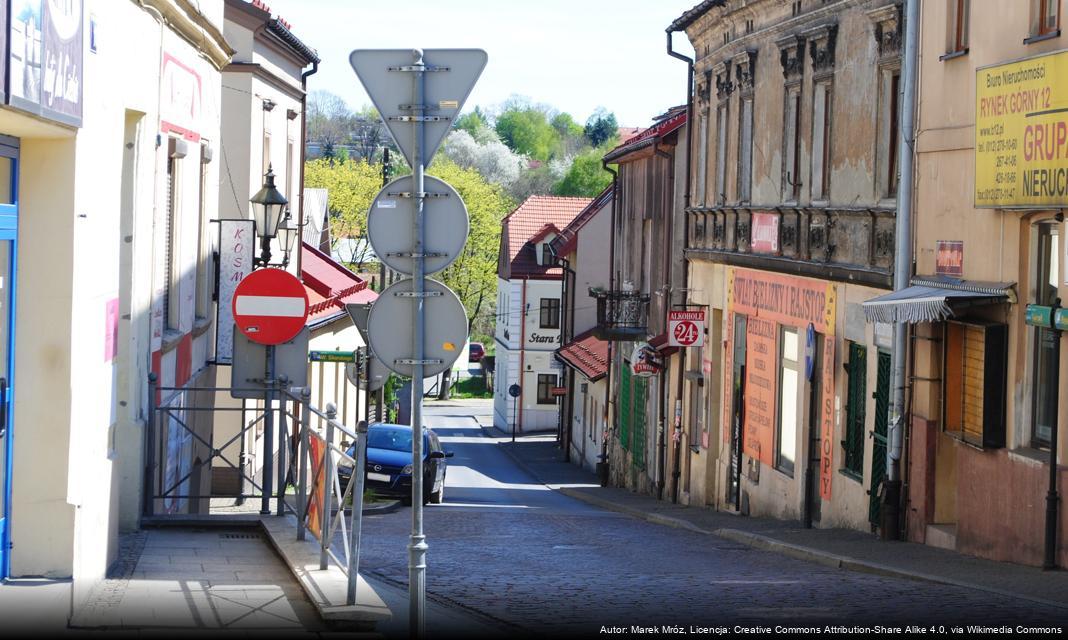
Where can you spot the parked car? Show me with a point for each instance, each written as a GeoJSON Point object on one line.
{"type": "Point", "coordinates": [475, 352]}
{"type": "Point", "coordinates": [389, 463]}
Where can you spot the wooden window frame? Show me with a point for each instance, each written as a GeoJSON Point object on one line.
{"type": "Point", "coordinates": [553, 311]}
{"type": "Point", "coordinates": [853, 429]}
{"type": "Point", "coordinates": [545, 385]}
{"type": "Point", "coordinates": [1044, 15]}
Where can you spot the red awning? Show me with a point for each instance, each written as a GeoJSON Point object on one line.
{"type": "Point", "coordinates": [660, 343]}
{"type": "Point", "coordinates": [586, 354]}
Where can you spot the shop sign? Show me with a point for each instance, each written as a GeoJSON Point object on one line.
{"type": "Point", "coordinates": [1060, 319]}
{"type": "Point", "coordinates": [761, 373]}
{"type": "Point", "coordinates": [785, 299]}
{"type": "Point", "coordinates": [44, 60]}
{"type": "Point", "coordinates": [643, 360]}
{"type": "Point", "coordinates": [1037, 315]}
{"type": "Point", "coordinates": [949, 258]}
{"type": "Point", "coordinates": [686, 328]}
{"type": "Point", "coordinates": [764, 233]}
{"type": "Point", "coordinates": [1021, 133]}
{"type": "Point", "coordinates": [181, 99]}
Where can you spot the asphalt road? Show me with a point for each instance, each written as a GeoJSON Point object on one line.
{"type": "Point", "coordinates": [509, 555]}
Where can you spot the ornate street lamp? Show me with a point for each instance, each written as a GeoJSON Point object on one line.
{"type": "Point", "coordinates": [268, 206]}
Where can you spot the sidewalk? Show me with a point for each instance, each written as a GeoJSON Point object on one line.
{"type": "Point", "coordinates": [839, 548]}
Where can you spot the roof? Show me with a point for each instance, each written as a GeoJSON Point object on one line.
{"type": "Point", "coordinates": [330, 286]}
{"type": "Point", "coordinates": [665, 124]}
{"type": "Point", "coordinates": [277, 27]}
{"type": "Point", "coordinates": [565, 240]}
{"type": "Point", "coordinates": [587, 354]}
{"type": "Point", "coordinates": [626, 133]}
{"type": "Point", "coordinates": [517, 255]}
{"type": "Point", "coordinates": [693, 14]}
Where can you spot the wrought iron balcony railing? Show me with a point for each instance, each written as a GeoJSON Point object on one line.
{"type": "Point", "coordinates": [621, 315]}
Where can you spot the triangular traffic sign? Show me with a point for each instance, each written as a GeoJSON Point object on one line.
{"type": "Point", "coordinates": [387, 75]}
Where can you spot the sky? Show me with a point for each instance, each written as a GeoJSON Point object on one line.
{"type": "Point", "coordinates": [573, 55]}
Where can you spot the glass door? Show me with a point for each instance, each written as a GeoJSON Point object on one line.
{"type": "Point", "coordinates": [8, 249]}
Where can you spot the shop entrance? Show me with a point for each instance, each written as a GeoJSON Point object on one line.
{"type": "Point", "coordinates": [734, 481]}
{"type": "Point", "coordinates": [8, 248]}
{"type": "Point", "coordinates": [878, 450]}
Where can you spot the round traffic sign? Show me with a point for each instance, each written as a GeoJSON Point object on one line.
{"type": "Point", "coordinates": [686, 333]}
{"type": "Point", "coordinates": [270, 306]}
{"type": "Point", "coordinates": [390, 224]}
{"type": "Point", "coordinates": [391, 327]}
{"type": "Point", "coordinates": [379, 373]}
{"type": "Point", "coordinates": [515, 390]}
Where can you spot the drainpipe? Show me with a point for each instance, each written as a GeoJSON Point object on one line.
{"type": "Point", "coordinates": [685, 224]}
{"type": "Point", "coordinates": [303, 148]}
{"type": "Point", "coordinates": [891, 506]}
{"type": "Point", "coordinates": [665, 392]}
{"type": "Point", "coordinates": [567, 413]}
{"type": "Point", "coordinates": [603, 458]}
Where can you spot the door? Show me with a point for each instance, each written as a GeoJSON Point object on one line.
{"type": "Point", "coordinates": [8, 236]}
{"type": "Point", "coordinates": [737, 412]}
{"type": "Point", "coordinates": [878, 450]}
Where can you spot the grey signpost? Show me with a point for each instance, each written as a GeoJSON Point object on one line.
{"type": "Point", "coordinates": [418, 94]}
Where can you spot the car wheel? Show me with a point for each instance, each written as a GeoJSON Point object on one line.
{"type": "Point", "coordinates": [438, 496]}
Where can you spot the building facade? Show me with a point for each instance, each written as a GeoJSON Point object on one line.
{"type": "Point", "coordinates": [989, 218]}
{"type": "Point", "coordinates": [581, 249]}
{"type": "Point", "coordinates": [109, 187]}
{"type": "Point", "coordinates": [528, 328]}
{"type": "Point", "coordinates": [791, 228]}
{"type": "Point", "coordinates": [648, 279]}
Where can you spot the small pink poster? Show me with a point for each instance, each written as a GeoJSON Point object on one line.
{"type": "Point", "coordinates": [111, 330]}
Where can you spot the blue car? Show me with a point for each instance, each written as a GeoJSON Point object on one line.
{"type": "Point", "coordinates": [389, 463]}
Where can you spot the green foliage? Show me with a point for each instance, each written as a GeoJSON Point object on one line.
{"type": "Point", "coordinates": [473, 276]}
{"type": "Point", "coordinates": [601, 127]}
{"type": "Point", "coordinates": [351, 187]}
{"type": "Point", "coordinates": [473, 122]}
{"type": "Point", "coordinates": [389, 396]}
{"type": "Point", "coordinates": [566, 126]}
{"type": "Point", "coordinates": [526, 130]}
{"type": "Point", "coordinates": [470, 387]}
{"type": "Point", "coordinates": [586, 177]}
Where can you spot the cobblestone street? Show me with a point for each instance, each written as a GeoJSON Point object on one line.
{"type": "Point", "coordinates": [513, 550]}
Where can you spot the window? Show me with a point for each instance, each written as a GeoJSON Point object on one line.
{"type": "Point", "coordinates": [546, 382]}
{"type": "Point", "coordinates": [745, 151]}
{"type": "Point", "coordinates": [789, 415]}
{"type": "Point", "coordinates": [821, 142]}
{"type": "Point", "coordinates": [857, 370]}
{"type": "Point", "coordinates": [1045, 364]}
{"type": "Point", "coordinates": [957, 23]}
{"type": "Point", "coordinates": [171, 253]}
{"type": "Point", "coordinates": [721, 154]}
{"type": "Point", "coordinates": [550, 313]}
{"type": "Point", "coordinates": [888, 137]}
{"type": "Point", "coordinates": [203, 282]}
{"type": "Point", "coordinates": [702, 159]}
{"type": "Point", "coordinates": [974, 390]}
{"type": "Point", "coordinates": [1049, 17]}
{"type": "Point", "coordinates": [791, 188]}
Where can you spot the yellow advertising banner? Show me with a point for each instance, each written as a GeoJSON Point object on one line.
{"type": "Point", "coordinates": [1021, 133]}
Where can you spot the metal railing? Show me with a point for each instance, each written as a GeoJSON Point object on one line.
{"type": "Point", "coordinates": [180, 446]}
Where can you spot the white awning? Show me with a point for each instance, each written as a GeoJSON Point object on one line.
{"type": "Point", "coordinates": [934, 299]}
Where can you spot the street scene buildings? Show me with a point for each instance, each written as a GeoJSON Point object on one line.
{"type": "Point", "coordinates": [790, 356]}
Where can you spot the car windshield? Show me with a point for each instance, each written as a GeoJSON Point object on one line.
{"type": "Point", "coordinates": [391, 438]}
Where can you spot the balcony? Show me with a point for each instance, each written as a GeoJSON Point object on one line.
{"type": "Point", "coordinates": [830, 243]}
{"type": "Point", "coordinates": [621, 315]}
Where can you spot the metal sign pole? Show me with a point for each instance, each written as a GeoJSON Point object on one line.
{"type": "Point", "coordinates": [268, 434]}
{"type": "Point", "coordinates": [417, 547]}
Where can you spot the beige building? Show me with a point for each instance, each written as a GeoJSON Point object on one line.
{"type": "Point", "coordinates": [110, 180]}
{"type": "Point", "coordinates": [989, 219]}
{"type": "Point", "coordinates": [791, 228]}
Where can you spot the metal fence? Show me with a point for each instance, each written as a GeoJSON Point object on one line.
{"type": "Point", "coordinates": [300, 479]}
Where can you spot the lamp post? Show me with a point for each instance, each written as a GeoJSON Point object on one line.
{"type": "Point", "coordinates": [270, 212]}
{"type": "Point", "coordinates": [271, 217]}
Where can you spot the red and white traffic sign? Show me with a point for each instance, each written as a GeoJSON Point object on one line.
{"type": "Point", "coordinates": [686, 328]}
{"type": "Point", "coordinates": [270, 306]}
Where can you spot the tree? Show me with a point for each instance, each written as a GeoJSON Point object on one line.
{"type": "Point", "coordinates": [601, 127]}
{"type": "Point", "coordinates": [526, 130]}
{"type": "Point", "coordinates": [329, 120]}
{"type": "Point", "coordinates": [472, 122]}
{"type": "Point", "coordinates": [473, 276]}
{"type": "Point", "coordinates": [351, 187]}
{"type": "Point", "coordinates": [495, 161]}
{"type": "Point", "coordinates": [586, 177]}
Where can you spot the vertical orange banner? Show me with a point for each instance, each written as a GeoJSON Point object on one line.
{"type": "Point", "coordinates": [827, 419]}
{"type": "Point", "coordinates": [728, 377]}
{"type": "Point", "coordinates": [315, 503]}
{"type": "Point", "coordinates": [761, 375]}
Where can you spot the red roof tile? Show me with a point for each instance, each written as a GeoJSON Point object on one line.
{"type": "Point", "coordinates": [587, 354]}
{"type": "Point", "coordinates": [526, 222]}
{"type": "Point", "coordinates": [330, 286]}
{"type": "Point", "coordinates": [665, 124]}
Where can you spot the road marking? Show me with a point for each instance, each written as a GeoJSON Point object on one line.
{"type": "Point", "coordinates": [270, 306]}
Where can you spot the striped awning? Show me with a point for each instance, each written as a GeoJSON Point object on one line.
{"type": "Point", "coordinates": [935, 298]}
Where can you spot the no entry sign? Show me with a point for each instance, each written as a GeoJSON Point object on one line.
{"type": "Point", "coordinates": [270, 306]}
{"type": "Point", "coordinates": [686, 328]}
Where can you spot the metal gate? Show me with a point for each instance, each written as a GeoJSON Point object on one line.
{"type": "Point", "coordinates": [639, 412]}
{"type": "Point", "coordinates": [624, 405]}
{"type": "Point", "coordinates": [878, 450]}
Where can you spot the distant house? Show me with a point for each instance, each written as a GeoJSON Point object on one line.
{"type": "Point", "coordinates": [528, 331]}
{"type": "Point", "coordinates": [316, 219]}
